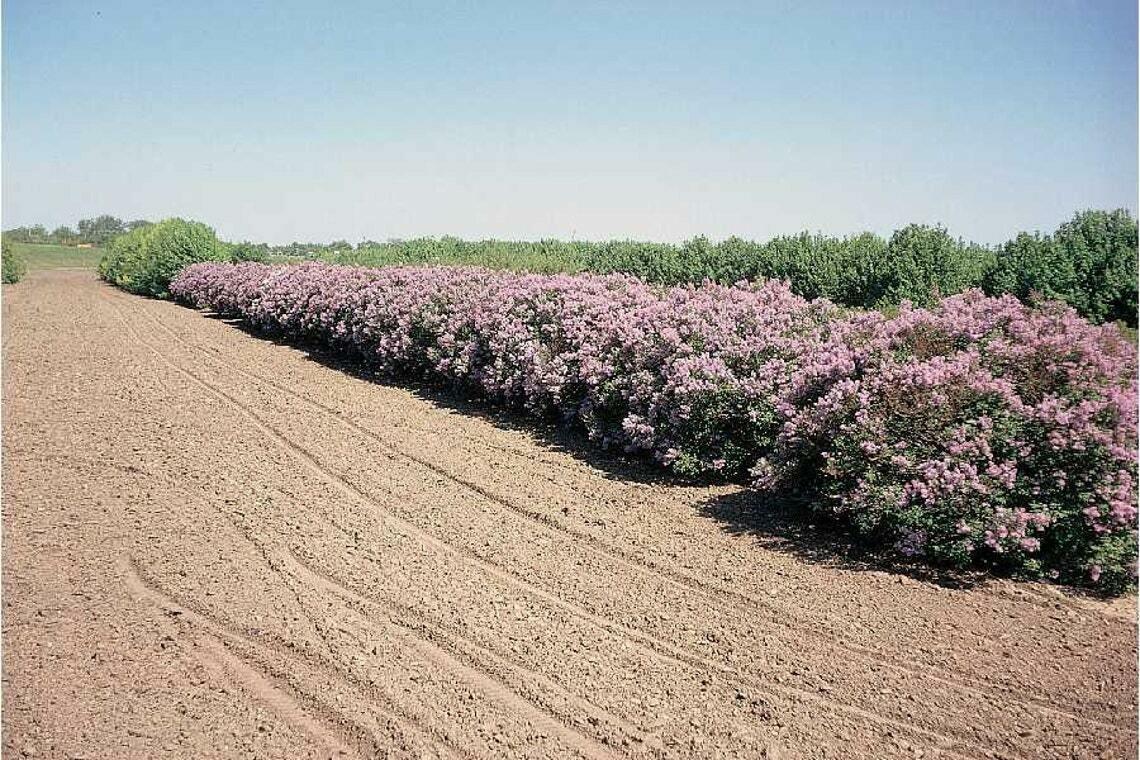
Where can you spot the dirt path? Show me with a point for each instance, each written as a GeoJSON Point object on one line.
{"type": "Point", "coordinates": [215, 546]}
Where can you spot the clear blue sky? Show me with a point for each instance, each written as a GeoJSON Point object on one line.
{"type": "Point", "coordinates": [308, 120]}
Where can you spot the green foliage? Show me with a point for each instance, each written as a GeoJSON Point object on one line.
{"type": "Point", "coordinates": [34, 234]}
{"type": "Point", "coordinates": [924, 263]}
{"type": "Point", "coordinates": [146, 259]}
{"type": "Point", "coordinates": [97, 231]}
{"type": "Point", "coordinates": [247, 251]}
{"type": "Point", "coordinates": [100, 230]}
{"type": "Point", "coordinates": [64, 235]}
{"type": "Point", "coordinates": [12, 264]}
{"type": "Point", "coordinates": [919, 263]}
{"type": "Point", "coordinates": [1089, 262]}
{"type": "Point", "coordinates": [844, 270]}
{"type": "Point", "coordinates": [547, 256]}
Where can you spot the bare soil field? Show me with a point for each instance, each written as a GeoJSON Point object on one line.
{"type": "Point", "coordinates": [215, 546]}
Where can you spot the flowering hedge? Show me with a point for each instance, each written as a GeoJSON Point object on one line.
{"type": "Point", "coordinates": [979, 431]}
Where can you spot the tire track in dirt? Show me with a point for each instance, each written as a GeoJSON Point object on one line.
{"type": "Point", "coordinates": [274, 692]}
{"type": "Point", "coordinates": [269, 650]}
{"type": "Point", "coordinates": [489, 662]}
{"type": "Point", "coordinates": [257, 546]}
{"type": "Point", "coordinates": [491, 685]}
{"type": "Point", "coordinates": [650, 644]}
{"type": "Point", "coordinates": [473, 672]}
{"type": "Point", "coordinates": [677, 579]}
{"type": "Point", "coordinates": [266, 692]}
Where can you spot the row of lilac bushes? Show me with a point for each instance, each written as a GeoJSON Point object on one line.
{"type": "Point", "coordinates": [977, 432]}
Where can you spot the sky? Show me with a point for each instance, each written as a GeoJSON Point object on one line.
{"type": "Point", "coordinates": [315, 121]}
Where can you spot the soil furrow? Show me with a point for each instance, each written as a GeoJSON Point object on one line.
{"type": "Point", "coordinates": [492, 663]}
{"type": "Point", "coordinates": [274, 691]}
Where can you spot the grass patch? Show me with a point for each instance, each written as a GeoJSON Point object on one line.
{"type": "Point", "coordinates": [41, 256]}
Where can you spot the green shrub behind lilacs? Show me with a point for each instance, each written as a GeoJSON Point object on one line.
{"type": "Point", "coordinates": [145, 260]}
{"type": "Point", "coordinates": [843, 270]}
{"type": "Point", "coordinates": [923, 264]}
{"type": "Point", "coordinates": [543, 256]}
{"type": "Point", "coordinates": [246, 251]}
{"type": "Point", "coordinates": [919, 263]}
{"type": "Point", "coordinates": [1089, 262]}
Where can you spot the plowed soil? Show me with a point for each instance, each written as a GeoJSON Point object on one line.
{"type": "Point", "coordinates": [216, 546]}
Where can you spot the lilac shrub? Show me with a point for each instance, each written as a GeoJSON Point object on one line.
{"type": "Point", "coordinates": [979, 431]}
{"type": "Point", "coordinates": [688, 375]}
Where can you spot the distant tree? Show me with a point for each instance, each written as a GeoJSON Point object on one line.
{"type": "Point", "coordinates": [36, 234]}
{"type": "Point", "coordinates": [306, 250]}
{"type": "Point", "coordinates": [137, 224]}
{"type": "Point", "coordinates": [246, 251]}
{"type": "Point", "coordinates": [64, 235]}
{"type": "Point", "coordinates": [101, 229]}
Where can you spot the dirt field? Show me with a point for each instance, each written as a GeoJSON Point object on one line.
{"type": "Point", "coordinates": [215, 546]}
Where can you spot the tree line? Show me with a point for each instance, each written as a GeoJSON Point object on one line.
{"type": "Point", "coordinates": [1089, 262]}
{"type": "Point", "coordinates": [97, 231]}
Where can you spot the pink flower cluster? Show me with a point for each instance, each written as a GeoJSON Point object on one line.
{"type": "Point", "coordinates": [991, 431]}
{"type": "Point", "coordinates": [979, 430]}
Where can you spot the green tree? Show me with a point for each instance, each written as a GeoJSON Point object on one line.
{"type": "Point", "coordinates": [923, 263]}
{"type": "Point", "coordinates": [1089, 262]}
{"type": "Point", "coordinates": [246, 251]}
{"type": "Point", "coordinates": [101, 229]}
{"type": "Point", "coordinates": [1101, 245]}
{"type": "Point", "coordinates": [12, 264]}
{"type": "Point", "coordinates": [145, 260]}
{"type": "Point", "coordinates": [36, 234]}
{"type": "Point", "coordinates": [64, 235]}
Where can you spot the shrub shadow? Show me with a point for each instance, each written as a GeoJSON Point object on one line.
{"type": "Point", "coordinates": [549, 432]}
{"type": "Point", "coordinates": [782, 522]}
